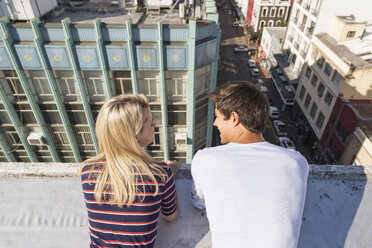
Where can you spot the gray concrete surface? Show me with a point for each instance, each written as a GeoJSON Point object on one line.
{"type": "Point", "coordinates": [44, 210]}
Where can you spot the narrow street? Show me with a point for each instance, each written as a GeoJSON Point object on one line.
{"type": "Point", "coordinates": [234, 67]}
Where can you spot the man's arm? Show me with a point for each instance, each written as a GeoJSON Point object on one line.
{"type": "Point", "coordinates": [197, 200]}
{"type": "Point", "coordinates": [197, 196]}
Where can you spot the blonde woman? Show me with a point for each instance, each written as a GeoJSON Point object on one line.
{"type": "Point", "coordinates": [124, 189]}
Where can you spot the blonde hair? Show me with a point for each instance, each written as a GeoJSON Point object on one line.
{"type": "Point", "coordinates": [126, 162]}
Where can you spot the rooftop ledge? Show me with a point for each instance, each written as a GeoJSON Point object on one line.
{"type": "Point", "coordinates": [45, 200]}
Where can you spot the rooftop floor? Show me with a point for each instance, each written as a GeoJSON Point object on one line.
{"type": "Point", "coordinates": [43, 204]}
{"type": "Point", "coordinates": [110, 13]}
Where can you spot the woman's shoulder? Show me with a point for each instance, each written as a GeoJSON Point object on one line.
{"type": "Point", "coordinates": [92, 167]}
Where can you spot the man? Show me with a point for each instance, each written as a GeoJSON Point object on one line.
{"type": "Point", "coordinates": [253, 191]}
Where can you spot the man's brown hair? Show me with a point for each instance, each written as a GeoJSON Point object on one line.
{"type": "Point", "coordinates": [247, 100]}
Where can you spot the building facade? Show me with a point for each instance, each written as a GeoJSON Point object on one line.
{"type": "Point", "coordinates": [265, 13]}
{"type": "Point", "coordinates": [309, 17]}
{"type": "Point", "coordinates": [56, 74]}
{"type": "Point", "coordinates": [337, 64]}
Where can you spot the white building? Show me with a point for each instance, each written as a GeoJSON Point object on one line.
{"type": "Point", "coordinates": [269, 13]}
{"type": "Point", "coordinates": [339, 62]}
{"type": "Point", "coordinates": [309, 17]}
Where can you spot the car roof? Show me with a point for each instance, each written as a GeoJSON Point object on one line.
{"type": "Point", "coordinates": [273, 108]}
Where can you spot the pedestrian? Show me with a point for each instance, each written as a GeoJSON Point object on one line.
{"type": "Point", "coordinates": [124, 188]}
{"type": "Point", "coordinates": [253, 191]}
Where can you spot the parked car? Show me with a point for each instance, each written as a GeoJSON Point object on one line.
{"type": "Point", "coordinates": [273, 112]}
{"type": "Point", "coordinates": [255, 72]}
{"type": "Point", "coordinates": [251, 63]}
{"type": "Point", "coordinates": [286, 143]}
{"type": "Point", "coordinates": [264, 90]}
{"type": "Point", "coordinates": [258, 81]}
{"type": "Point", "coordinates": [241, 49]}
{"type": "Point", "coordinates": [235, 24]}
{"type": "Point", "coordinates": [279, 127]}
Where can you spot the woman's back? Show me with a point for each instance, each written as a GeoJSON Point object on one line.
{"type": "Point", "coordinates": [134, 226]}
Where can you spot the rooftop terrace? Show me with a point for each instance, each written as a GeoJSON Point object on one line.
{"type": "Point", "coordinates": [109, 12]}
{"type": "Point", "coordinates": [46, 201]}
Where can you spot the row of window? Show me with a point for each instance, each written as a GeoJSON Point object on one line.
{"type": "Point", "coordinates": [329, 72]}
{"type": "Point", "coordinates": [314, 107]}
{"type": "Point", "coordinates": [273, 10]}
{"type": "Point", "coordinates": [317, 84]}
{"type": "Point", "coordinates": [269, 23]}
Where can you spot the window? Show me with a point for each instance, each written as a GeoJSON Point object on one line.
{"type": "Point", "coordinates": [320, 89]}
{"type": "Point", "coordinates": [320, 62]}
{"type": "Point", "coordinates": [264, 12]}
{"type": "Point", "coordinates": [123, 82]}
{"type": "Point", "coordinates": [303, 24]}
{"type": "Point", "coordinates": [302, 93]}
{"type": "Point", "coordinates": [320, 120]}
{"type": "Point", "coordinates": [328, 98]}
{"type": "Point", "coordinates": [273, 11]}
{"type": "Point", "coordinates": [270, 23]}
{"type": "Point", "coordinates": [328, 69]}
{"type": "Point", "coordinates": [294, 57]}
{"type": "Point", "coordinates": [342, 132]}
{"type": "Point", "coordinates": [297, 15]}
{"type": "Point", "coordinates": [350, 34]}
{"type": "Point", "coordinates": [177, 114]}
{"type": "Point", "coordinates": [314, 80]}
{"type": "Point", "coordinates": [262, 24]}
{"type": "Point", "coordinates": [337, 78]}
{"type": "Point", "coordinates": [308, 72]}
{"type": "Point", "coordinates": [281, 12]}
{"type": "Point", "coordinates": [313, 110]}
{"type": "Point", "coordinates": [307, 101]}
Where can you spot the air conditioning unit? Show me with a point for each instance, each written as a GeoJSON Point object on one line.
{"type": "Point", "coordinates": [180, 139]}
{"type": "Point", "coordinates": [35, 138]}
{"type": "Point", "coordinates": [26, 9]}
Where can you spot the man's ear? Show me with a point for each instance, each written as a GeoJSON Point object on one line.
{"type": "Point", "coordinates": [235, 118]}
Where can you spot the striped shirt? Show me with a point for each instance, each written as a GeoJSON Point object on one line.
{"type": "Point", "coordinates": [134, 226]}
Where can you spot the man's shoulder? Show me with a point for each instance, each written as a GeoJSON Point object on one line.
{"type": "Point", "coordinates": [211, 151]}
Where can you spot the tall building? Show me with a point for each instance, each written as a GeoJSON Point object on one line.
{"type": "Point", "coordinates": [261, 13]}
{"type": "Point", "coordinates": [339, 63]}
{"type": "Point", "coordinates": [309, 17]}
{"type": "Point", "coordinates": [347, 136]}
{"type": "Point", "coordinates": [56, 73]}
